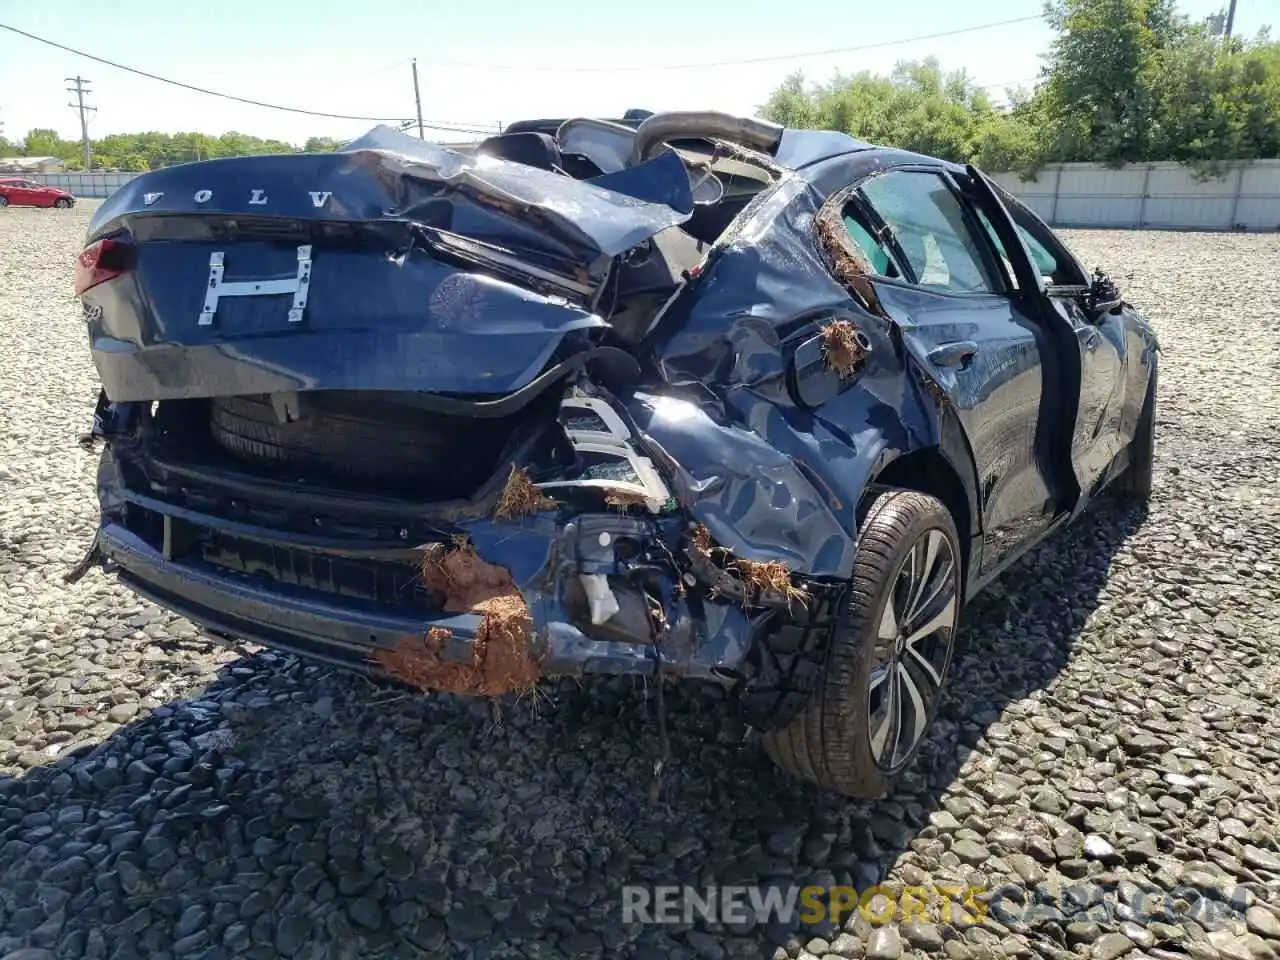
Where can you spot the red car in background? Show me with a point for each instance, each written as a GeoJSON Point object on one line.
{"type": "Point", "coordinates": [27, 193]}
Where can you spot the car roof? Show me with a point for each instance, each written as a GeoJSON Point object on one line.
{"type": "Point", "coordinates": [797, 148]}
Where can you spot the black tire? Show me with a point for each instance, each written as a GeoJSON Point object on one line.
{"type": "Point", "coordinates": [4, 201]}
{"type": "Point", "coordinates": [351, 437]}
{"type": "Point", "coordinates": [829, 743]}
{"type": "Point", "coordinates": [62, 203]}
{"type": "Point", "coordinates": [1135, 483]}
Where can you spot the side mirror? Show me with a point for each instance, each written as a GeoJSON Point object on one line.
{"type": "Point", "coordinates": [1104, 295]}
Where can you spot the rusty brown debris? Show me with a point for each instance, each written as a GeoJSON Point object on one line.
{"type": "Point", "coordinates": [501, 661]}
{"type": "Point", "coordinates": [520, 497]}
{"type": "Point", "coordinates": [768, 577]}
{"type": "Point", "coordinates": [758, 577]}
{"type": "Point", "coordinates": [848, 264]}
{"type": "Point", "coordinates": [841, 350]}
{"type": "Point", "coordinates": [624, 499]}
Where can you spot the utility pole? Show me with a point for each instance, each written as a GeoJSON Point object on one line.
{"type": "Point", "coordinates": [417, 99]}
{"type": "Point", "coordinates": [1231, 19]}
{"type": "Point", "coordinates": [80, 89]}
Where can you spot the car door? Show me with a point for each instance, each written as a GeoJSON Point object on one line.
{"type": "Point", "coordinates": [41, 196]}
{"type": "Point", "coordinates": [1103, 339]}
{"type": "Point", "coordinates": [33, 194]}
{"type": "Point", "coordinates": [15, 193]}
{"type": "Point", "coordinates": [970, 329]}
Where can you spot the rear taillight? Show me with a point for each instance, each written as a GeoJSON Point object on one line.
{"type": "Point", "coordinates": [101, 261]}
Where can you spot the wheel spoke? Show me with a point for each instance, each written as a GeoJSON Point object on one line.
{"type": "Point", "coordinates": [923, 662]}
{"type": "Point", "coordinates": [943, 615]}
{"type": "Point", "coordinates": [889, 619]}
{"type": "Point", "coordinates": [915, 572]}
{"type": "Point", "coordinates": [909, 698]}
{"type": "Point", "coordinates": [884, 734]}
{"type": "Point", "coordinates": [909, 660]}
{"type": "Point", "coordinates": [939, 575]}
{"type": "Point", "coordinates": [925, 553]}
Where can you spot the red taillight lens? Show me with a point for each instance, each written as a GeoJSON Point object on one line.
{"type": "Point", "coordinates": [102, 261]}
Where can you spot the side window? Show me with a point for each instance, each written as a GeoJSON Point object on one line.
{"type": "Point", "coordinates": [1045, 262]}
{"type": "Point", "coordinates": [866, 241]}
{"type": "Point", "coordinates": [927, 221]}
{"type": "Point", "coordinates": [1010, 276]}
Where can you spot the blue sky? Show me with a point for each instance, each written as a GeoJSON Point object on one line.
{"type": "Point", "coordinates": [353, 57]}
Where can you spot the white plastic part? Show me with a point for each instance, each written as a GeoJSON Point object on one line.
{"type": "Point", "coordinates": [599, 596]}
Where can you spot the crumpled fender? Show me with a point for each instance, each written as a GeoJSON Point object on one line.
{"type": "Point", "coordinates": [772, 478]}
{"type": "Point", "coordinates": [754, 499]}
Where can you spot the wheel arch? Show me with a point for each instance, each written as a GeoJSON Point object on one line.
{"type": "Point", "coordinates": [930, 470]}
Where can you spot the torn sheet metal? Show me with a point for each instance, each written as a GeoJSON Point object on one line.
{"type": "Point", "coordinates": [388, 175]}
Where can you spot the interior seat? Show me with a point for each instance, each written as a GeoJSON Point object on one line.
{"type": "Point", "coordinates": [532, 149]}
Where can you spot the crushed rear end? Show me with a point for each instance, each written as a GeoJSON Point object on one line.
{"type": "Point", "coordinates": [385, 408]}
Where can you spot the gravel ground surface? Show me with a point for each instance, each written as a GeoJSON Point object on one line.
{"type": "Point", "coordinates": [1114, 722]}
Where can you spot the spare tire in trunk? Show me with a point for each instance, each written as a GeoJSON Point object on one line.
{"type": "Point", "coordinates": [363, 439]}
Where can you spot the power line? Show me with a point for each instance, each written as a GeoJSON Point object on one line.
{"type": "Point", "coordinates": [215, 93]}
{"type": "Point", "coordinates": [773, 58]}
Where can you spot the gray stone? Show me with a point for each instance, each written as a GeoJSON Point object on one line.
{"type": "Point", "coordinates": [922, 934]}
{"type": "Point", "coordinates": [469, 923]}
{"type": "Point", "coordinates": [970, 851]}
{"type": "Point", "coordinates": [291, 933]}
{"type": "Point", "coordinates": [427, 934]}
{"type": "Point", "coordinates": [1260, 859]}
{"type": "Point", "coordinates": [1109, 946]}
{"type": "Point", "coordinates": [884, 943]}
{"type": "Point", "coordinates": [236, 937]}
{"type": "Point", "coordinates": [190, 944]}
{"type": "Point", "coordinates": [192, 919]}
{"type": "Point", "coordinates": [1263, 922]}
{"type": "Point", "coordinates": [122, 712]}
{"type": "Point", "coordinates": [705, 945]}
{"type": "Point", "coordinates": [365, 912]}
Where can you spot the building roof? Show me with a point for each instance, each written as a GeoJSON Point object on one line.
{"type": "Point", "coordinates": [25, 162]}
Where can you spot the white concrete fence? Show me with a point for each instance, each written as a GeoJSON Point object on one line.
{"type": "Point", "coordinates": [1165, 196]}
{"type": "Point", "coordinates": [84, 184]}
{"type": "Point", "coordinates": [1246, 196]}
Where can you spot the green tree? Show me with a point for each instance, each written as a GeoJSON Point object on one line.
{"type": "Point", "coordinates": [1125, 81]}
{"type": "Point", "coordinates": [1101, 99]}
{"type": "Point", "coordinates": [918, 107]}
{"type": "Point", "coordinates": [42, 142]}
{"type": "Point", "coordinates": [134, 162]}
{"type": "Point", "coordinates": [321, 145]}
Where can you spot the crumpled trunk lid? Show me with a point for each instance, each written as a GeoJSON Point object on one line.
{"type": "Point", "coordinates": [394, 265]}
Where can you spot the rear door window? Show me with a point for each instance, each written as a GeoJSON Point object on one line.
{"type": "Point", "coordinates": [928, 224]}
{"type": "Point", "coordinates": [864, 238]}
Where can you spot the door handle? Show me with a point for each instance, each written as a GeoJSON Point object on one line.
{"type": "Point", "coordinates": [955, 354]}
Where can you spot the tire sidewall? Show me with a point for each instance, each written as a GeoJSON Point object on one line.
{"type": "Point", "coordinates": [866, 623]}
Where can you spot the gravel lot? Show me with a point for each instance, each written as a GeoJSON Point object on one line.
{"type": "Point", "coordinates": [1114, 721]}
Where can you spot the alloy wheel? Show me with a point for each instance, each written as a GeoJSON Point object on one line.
{"type": "Point", "coordinates": [913, 647]}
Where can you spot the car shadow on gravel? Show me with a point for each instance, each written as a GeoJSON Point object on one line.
{"type": "Point", "coordinates": [288, 810]}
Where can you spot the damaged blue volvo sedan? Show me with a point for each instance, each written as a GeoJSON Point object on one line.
{"type": "Point", "coordinates": [683, 393]}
